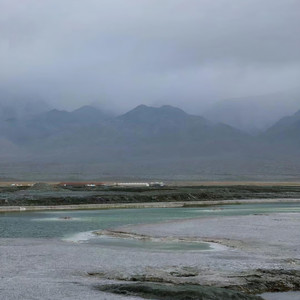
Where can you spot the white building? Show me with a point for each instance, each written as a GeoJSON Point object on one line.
{"type": "Point", "coordinates": [157, 183]}
{"type": "Point", "coordinates": [133, 184]}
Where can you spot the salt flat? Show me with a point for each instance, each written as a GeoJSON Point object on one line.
{"type": "Point", "coordinates": [56, 269]}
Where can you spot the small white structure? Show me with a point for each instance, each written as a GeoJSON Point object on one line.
{"type": "Point", "coordinates": [21, 184]}
{"type": "Point", "coordinates": [133, 184]}
{"type": "Point", "coordinates": [157, 184]}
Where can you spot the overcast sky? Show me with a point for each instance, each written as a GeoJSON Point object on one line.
{"type": "Point", "coordinates": [122, 53]}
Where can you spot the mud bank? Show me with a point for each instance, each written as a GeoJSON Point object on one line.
{"type": "Point", "coordinates": [175, 292]}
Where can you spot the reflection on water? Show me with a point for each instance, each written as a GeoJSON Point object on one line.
{"type": "Point", "coordinates": [53, 224]}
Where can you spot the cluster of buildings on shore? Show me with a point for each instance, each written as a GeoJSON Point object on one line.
{"type": "Point", "coordinates": [22, 184]}
{"type": "Point", "coordinates": [116, 184]}
{"type": "Point", "coordinates": [92, 184]}
{"type": "Point", "coordinates": [141, 184]}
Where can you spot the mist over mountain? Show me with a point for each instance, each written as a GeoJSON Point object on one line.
{"type": "Point", "coordinates": [285, 133]}
{"type": "Point", "coordinates": [125, 53]}
{"type": "Point", "coordinates": [16, 106]}
{"type": "Point", "coordinates": [257, 113]}
{"type": "Point", "coordinates": [254, 137]}
{"type": "Point", "coordinates": [165, 55]}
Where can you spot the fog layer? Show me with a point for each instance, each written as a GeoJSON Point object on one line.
{"type": "Point", "coordinates": [119, 53]}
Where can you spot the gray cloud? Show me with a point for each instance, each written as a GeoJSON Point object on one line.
{"type": "Point", "coordinates": [123, 53]}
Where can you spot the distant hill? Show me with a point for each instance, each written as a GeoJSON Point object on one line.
{"type": "Point", "coordinates": [173, 130]}
{"type": "Point", "coordinates": [255, 114]}
{"type": "Point", "coordinates": [161, 121]}
{"type": "Point", "coordinates": [144, 132]}
{"type": "Point", "coordinates": [285, 132]}
{"type": "Point", "coordinates": [164, 141]}
{"type": "Point", "coordinates": [46, 124]}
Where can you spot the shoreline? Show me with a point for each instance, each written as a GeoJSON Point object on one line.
{"type": "Point", "coordinates": [169, 182]}
{"type": "Point", "coordinates": [253, 261]}
{"type": "Point", "coordinates": [179, 204]}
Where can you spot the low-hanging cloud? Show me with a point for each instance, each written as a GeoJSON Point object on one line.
{"type": "Point", "coordinates": [123, 53]}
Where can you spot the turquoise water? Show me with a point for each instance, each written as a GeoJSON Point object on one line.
{"type": "Point", "coordinates": [60, 224]}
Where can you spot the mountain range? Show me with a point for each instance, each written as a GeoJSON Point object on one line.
{"type": "Point", "coordinates": [165, 141]}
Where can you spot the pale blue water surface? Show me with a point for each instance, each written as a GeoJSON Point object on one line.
{"type": "Point", "coordinates": [59, 224]}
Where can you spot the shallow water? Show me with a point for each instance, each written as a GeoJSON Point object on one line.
{"type": "Point", "coordinates": [64, 224]}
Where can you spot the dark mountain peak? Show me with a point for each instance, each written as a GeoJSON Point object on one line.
{"type": "Point", "coordinates": [164, 121]}
{"type": "Point", "coordinates": [141, 107]}
{"type": "Point", "coordinates": [286, 129]}
{"type": "Point", "coordinates": [297, 113]}
{"type": "Point", "coordinates": [61, 120]}
{"type": "Point", "coordinates": [172, 109]}
{"type": "Point", "coordinates": [53, 115]}
{"type": "Point", "coordinates": [165, 108]}
{"type": "Point", "coordinates": [54, 111]}
{"type": "Point", "coordinates": [147, 113]}
{"type": "Point", "coordinates": [285, 122]}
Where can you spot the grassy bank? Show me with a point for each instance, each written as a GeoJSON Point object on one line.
{"type": "Point", "coordinates": [46, 195]}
